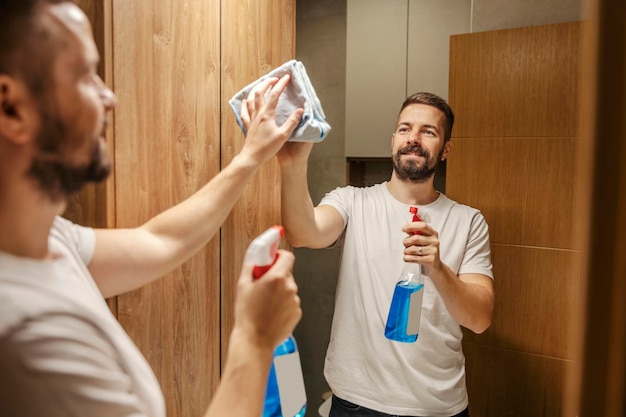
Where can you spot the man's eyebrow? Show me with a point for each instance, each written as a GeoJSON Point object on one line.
{"type": "Point", "coordinates": [432, 127]}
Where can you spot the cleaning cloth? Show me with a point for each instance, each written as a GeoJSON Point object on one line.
{"type": "Point", "coordinates": [299, 93]}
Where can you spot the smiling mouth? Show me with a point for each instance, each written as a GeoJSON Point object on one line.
{"type": "Point", "coordinates": [414, 154]}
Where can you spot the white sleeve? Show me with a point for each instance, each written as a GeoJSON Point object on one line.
{"type": "Point", "coordinates": [477, 257]}
{"type": "Point", "coordinates": [82, 238]}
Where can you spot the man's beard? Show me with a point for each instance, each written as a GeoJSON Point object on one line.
{"type": "Point", "coordinates": [411, 170]}
{"type": "Point", "coordinates": [56, 175]}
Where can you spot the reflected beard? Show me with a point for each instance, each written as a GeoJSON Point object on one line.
{"type": "Point", "coordinates": [411, 170]}
{"type": "Point", "coordinates": [58, 177]}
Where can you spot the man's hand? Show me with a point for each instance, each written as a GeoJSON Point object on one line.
{"type": "Point", "coordinates": [268, 309]}
{"type": "Point", "coordinates": [264, 137]}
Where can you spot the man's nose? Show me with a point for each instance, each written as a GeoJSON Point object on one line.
{"type": "Point", "coordinates": [108, 98]}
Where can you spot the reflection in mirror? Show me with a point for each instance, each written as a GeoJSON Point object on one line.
{"type": "Point", "coordinates": [501, 172]}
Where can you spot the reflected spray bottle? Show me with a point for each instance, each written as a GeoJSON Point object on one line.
{"type": "Point", "coordinates": [285, 395]}
{"type": "Point", "coordinates": [403, 321]}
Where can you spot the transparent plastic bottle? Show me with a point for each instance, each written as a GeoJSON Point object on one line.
{"type": "Point", "coordinates": [405, 312]}
{"type": "Point", "coordinates": [285, 395]}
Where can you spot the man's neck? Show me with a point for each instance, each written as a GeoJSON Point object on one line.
{"type": "Point", "coordinates": [26, 216]}
{"type": "Point", "coordinates": [411, 192]}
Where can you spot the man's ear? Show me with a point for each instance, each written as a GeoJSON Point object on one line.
{"type": "Point", "coordinates": [18, 115]}
{"type": "Point", "coordinates": [446, 150]}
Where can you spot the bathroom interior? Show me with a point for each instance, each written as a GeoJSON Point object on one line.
{"type": "Point", "coordinates": [514, 71]}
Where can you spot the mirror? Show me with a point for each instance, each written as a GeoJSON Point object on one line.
{"type": "Point", "coordinates": [321, 46]}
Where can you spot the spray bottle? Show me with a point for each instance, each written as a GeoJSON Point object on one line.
{"type": "Point", "coordinates": [285, 395]}
{"type": "Point", "coordinates": [403, 320]}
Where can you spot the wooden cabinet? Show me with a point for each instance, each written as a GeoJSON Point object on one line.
{"type": "Point", "coordinates": [174, 65]}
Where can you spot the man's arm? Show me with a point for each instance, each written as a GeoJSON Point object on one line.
{"type": "Point", "coordinates": [305, 225]}
{"type": "Point", "coordinates": [469, 298]}
{"type": "Point", "coordinates": [266, 312]}
{"type": "Point", "coordinates": [126, 259]}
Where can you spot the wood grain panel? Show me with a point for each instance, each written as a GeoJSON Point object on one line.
{"type": "Point", "coordinates": [516, 384]}
{"type": "Point", "coordinates": [166, 76]}
{"type": "Point", "coordinates": [600, 381]}
{"type": "Point", "coordinates": [523, 186]}
{"type": "Point", "coordinates": [537, 291]}
{"type": "Point", "coordinates": [258, 36]}
{"type": "Point", "coordinates": [515, 94]}
{"type": "Point", "coordinates": [522, 82]}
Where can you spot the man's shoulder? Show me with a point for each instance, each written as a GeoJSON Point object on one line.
{"type": "Point", "coordinates": [457, 206]}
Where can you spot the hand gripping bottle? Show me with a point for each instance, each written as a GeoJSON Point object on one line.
{"type": "Point", "coordinates": [285, 395]}
{"type": "Point", "coordinates": [403, 321]}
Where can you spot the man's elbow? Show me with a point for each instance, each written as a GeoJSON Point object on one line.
{"type": "Point", "coordinates": [305, 240]}
{"type": "Point", "coordinates": [481, 326]}
{"type": "Point", "coordinates": [481, 323]}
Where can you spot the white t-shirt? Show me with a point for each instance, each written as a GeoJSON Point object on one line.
{"type": "Point", "coordinates": [425, 378]}
{"type": "Point", "coordinates": [62, 352]}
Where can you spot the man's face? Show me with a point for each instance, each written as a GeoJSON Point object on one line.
{"type": "Point", "coordinates": [417, 145]}
{"type": "Point", "coordinates": [71, 150]}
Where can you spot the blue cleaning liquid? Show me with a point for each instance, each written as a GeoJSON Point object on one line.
{"type": "Point", "coordinates": [273, 406]}
{"type": "Point", "coordinates": [406, 305]}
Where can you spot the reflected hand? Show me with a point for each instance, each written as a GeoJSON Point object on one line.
{"type": "Point", "coordinates": [422, 245]}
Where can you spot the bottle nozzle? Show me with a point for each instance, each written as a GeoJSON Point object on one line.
{"type": "Point", "coordinates": [263, 251]}
{"type": "Point", "coordinates": [416, 218]}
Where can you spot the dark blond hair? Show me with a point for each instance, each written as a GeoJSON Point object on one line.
{"type": "Point", "coordinates": [28, 45]}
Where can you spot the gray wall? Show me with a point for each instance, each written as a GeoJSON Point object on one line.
{"type": "Point", "coordinates": [321, 46]}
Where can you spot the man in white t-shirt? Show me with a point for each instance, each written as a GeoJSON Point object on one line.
{"type": "Point", "coordinates": [369, 374]}
{"type": "Point", "coordinates": [62, 353]}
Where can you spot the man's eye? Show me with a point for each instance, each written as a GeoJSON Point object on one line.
{"type": "Point", "coordinates": [403, 130]}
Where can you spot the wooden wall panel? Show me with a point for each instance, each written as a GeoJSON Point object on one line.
{"type": "Point", "coordinates": [535, 298]}
{"type": "Point", "coordinates": [524, 85]}
{"type": "Point", "coordinates": [514, 146]}
{"type": "Point", "coordinates": [523, 186]}
{"type": "Point", "coordinates": [512, 383]}
{"type": "Point", "coordinates": [166, 76]}
{"type": "Point", "coordinates": [598, 387]}
{"type": "Point", "coordinates": [249, 51]}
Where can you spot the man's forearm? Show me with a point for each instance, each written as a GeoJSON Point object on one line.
{"type": "Point", "coordinates": [126, 259]}
{"type": "Point", "coordinates": [469, 299]}
{"type": "Point", "coordinates": [243, 382]}
{"type": "Point", "coordinates": [297, 210]}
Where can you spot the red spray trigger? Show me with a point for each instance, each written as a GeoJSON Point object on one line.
{"type": "Point", "coordinates": [416, 218]}
{"type": "Point", "coordinates": [263, 251]}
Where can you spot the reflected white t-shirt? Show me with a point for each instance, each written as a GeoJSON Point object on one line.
{"type": "Point", "coordinates": [62, 352]}
{"type": "Point", "coordinates": [425, 378]}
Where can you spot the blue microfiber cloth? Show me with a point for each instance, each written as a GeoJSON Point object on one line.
{"type": "Point", "coordinates": [299, 93]}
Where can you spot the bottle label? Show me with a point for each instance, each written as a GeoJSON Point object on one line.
{"type": "Point", "coordinates": [290, 383]}
{"type": "Point", "coordinates": [415, 311]}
